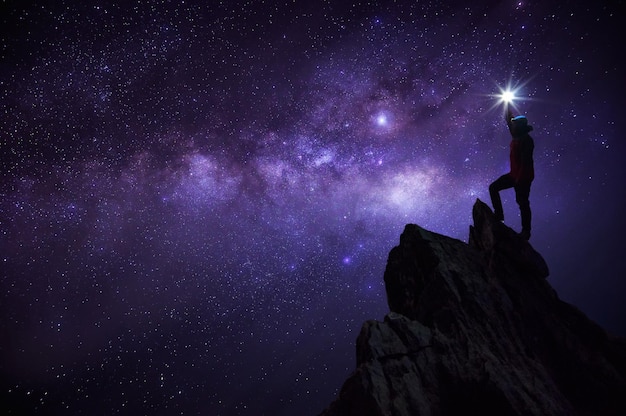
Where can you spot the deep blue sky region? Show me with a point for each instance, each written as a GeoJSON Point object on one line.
{"type": "Point", "coordinates": [198, 198]}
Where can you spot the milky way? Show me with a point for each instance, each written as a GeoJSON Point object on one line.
{"type": "Point", "coordinates": [198, 200]}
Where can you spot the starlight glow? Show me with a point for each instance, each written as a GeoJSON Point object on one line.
{"type": "Point", "coordinates": [507, 96]}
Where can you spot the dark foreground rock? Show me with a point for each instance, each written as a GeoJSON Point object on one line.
{"type": "Point", "coordinates": [475, 329]}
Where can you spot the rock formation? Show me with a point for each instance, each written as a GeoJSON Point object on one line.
{"type": "Point", "coordinates": [475, 329]}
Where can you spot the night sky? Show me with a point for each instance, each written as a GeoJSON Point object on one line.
{"type": "Point", "coordinates": [198, 198]}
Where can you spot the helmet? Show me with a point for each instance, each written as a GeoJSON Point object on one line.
{"type": "Point", "coordinates": [520, 125]}
{"type": "Point", "coordinates": [520, 120]}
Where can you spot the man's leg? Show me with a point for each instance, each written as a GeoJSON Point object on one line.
{"type": "Point", "coordinates": [522, 193]}
{"type": "Point", "coordinates": [503, 182]}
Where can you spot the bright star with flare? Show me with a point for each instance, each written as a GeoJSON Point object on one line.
{"type": "Point", "coordinates": [507, 96]}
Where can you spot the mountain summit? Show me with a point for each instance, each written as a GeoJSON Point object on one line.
{"type": "Point", "coordinates": [475, 329]}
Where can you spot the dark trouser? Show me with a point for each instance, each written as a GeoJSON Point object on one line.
{"type": "Point", "coordinates": [522, 192]}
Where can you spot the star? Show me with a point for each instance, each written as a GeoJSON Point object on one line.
{"type": "Point", "coordinates": [507, 96]}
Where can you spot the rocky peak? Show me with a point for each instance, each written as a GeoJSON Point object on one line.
{"type": "Point", "coordinates": [476, 329]}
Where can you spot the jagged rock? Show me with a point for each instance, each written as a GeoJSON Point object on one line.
{"type": "Point", "coordinates": [475, 329]}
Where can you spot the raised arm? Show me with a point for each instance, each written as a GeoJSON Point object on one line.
{"type": "Point", "coordinates": [508, 115]}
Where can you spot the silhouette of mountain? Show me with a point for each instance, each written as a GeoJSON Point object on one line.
{"type": "Point", "coordinates": [476, 329]}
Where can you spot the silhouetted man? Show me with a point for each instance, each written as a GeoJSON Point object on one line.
{"type": "Point", "coordinates": [522, 171]}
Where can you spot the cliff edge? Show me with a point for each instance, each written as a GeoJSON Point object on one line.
{"type": "Point", "coordinates": [476, 329]}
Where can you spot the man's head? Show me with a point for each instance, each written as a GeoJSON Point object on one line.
{"type": "Point", "coordinates": [520, 125]}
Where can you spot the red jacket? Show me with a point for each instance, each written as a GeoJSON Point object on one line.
{"type": "Point", "coordinates": [521, 157]}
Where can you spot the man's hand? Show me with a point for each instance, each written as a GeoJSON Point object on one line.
{"type": "Point", "coordinates": [507, 112]}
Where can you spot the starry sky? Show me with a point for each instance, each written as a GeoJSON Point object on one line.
{"type": "Point", "coordinates": [197, 199]}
